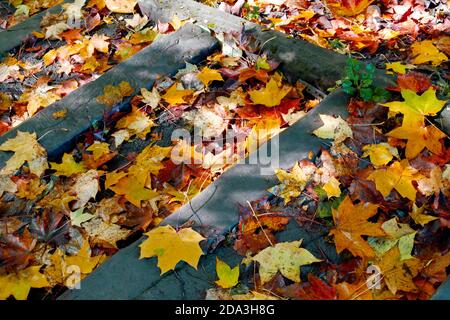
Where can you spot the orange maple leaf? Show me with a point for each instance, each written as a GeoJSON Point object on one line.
{"type": "Point", "coordinates": [351, 224]}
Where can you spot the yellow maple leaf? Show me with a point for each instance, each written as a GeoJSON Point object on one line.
{"type": "Point", "coordinates": [292, 183]}
{"type": "Point", "coordinates": [103, 233]}
{"type": "Point", "coordinates": [419, 217]}
{"type": "Point", "coordinates": [136, 123]}
{"type": "Point", "coordinates": [114, 177]}
{"type": "Point", "coordinates": [115, 94]}
{"type": "Point", "coordinates": [19, 284]}
{"type": "Point", "coordinates": [380, 154]}
{"type": "Point", "coordinates": [419, 137]}
{"type": "Point", "coordinates": [351, 224]}
{"type": "Point", "coordinates": [415, 107]}
{"type": "Point", "coordinates": [333, 128]}
{"type": "Point", "coordinates": [67, 167]}
{"type": "Point", "coordinates": [397, 67]}
{"type": "Point", "coordinates": [26, 149]}
{"type": "Point", "coordinates": [62, 265]}
{"type": "Point", "coordinates": [286, 257]}
{"type": "Point", "coordinates": [426, 52]}
{"type": "Point", "coordinates": [133, 192]}
{"type": "Point", "coordinates": [98, 149]}
{"type": "Point", "coordinates": [177, 23]}
{"type": "Point", "coordinates": [172, 247]}
{"type": "Point", "coordinates": [332, 188]}
{"type": "Point", "coordinates": [272, 94]}
{"type": "Point", "coordinates": [121, 6]}
{"type": "Point", "coordinates": [398, 274]}
{"type": "Point", "coordinates": [174, 96]}
{"type": "Point", "coordinates": [228, 278]}
{"type": "Point", "coordinates": [398, 176]}
{"type": "Point", "coordinates": [207, 75]}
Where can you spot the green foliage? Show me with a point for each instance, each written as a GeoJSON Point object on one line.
{"type": "Point", "coordinates": [358, 82]}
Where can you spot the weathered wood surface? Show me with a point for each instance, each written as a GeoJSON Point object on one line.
{"type": "Point", "coordinates": [164, 57]}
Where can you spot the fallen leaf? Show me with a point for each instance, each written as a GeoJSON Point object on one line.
{"type": "Point", "coordinates": [228, 278]}
{"type": "Point", "coordinates": [398, 176]}
{"type": "Point", "coordinates": [272, 94]}
{"type": "Point", "coordinates": [68, 166]}
{"type": "Point", "coordinates": [426, 52]}
{"type": "Point", "coordinates": [172, 247]}
{"type": "Point", "coordinates": [121, 6]}
{"type": "Point", "coordinates": [19, 285]}
{"type": "Point", "coordinates": [285, 257]}
{"type": "Point", "coordinates": [351, 224]}
{"type": "Point", "coordinates": [26, 148]}
{"type": "Point", "coordinates": [207, 75]}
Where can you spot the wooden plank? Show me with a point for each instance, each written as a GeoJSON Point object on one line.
{"type": "Point", "coordinates": [164, 57]}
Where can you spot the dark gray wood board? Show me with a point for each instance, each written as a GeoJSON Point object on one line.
{"type": "Point", "coordinates": [164, 57]}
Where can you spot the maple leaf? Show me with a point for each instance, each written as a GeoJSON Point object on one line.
{"type": "Point", "coordinates": [333, 128]}
{"type": "Point", "coordinates": [58, 271]}
{"type": "Point", "coordinates": [228, 278]}
{"type": "Point", "coordinates": [121, 6]}
{"type": "Point", "coordinates": [98, 149]}
{"type": "Point", "coordinates": [78, 217]}
{"type": "Point", "coordinates": [419, 137]}
{"type": "Point", "coordinates": [351, 224]}
{"type": "Point", "coordinates": [172, 247]}
{"type": "Point", "coordinates": [85, 187]}
{"type": "Point", "coordinates": [73, 11]}
{"type": "Point", "coordinates": [209, 123]}
{"type": "Point", "coordinates": [286, 257]}
{"type": "Point", "coordinates": [136, 123]}
{"type": "Point", "coordinates": [19, 285]}
{"type": "Point", "coordinates": [348, 8]}
{"type": "Point", "coordinates": [397, 67]}
{"type": "Point", "coordinates": [398, 176]}
{"type": "Point", "coordinates": [331, 188]}
{"type": "Point", "coordinates": [207, 75]}
{"type": "Point", "coordinates": [67, 167]}
{"type": "Point", "coordinates": [133, 192]}
{"type": "Point", "coordinates": [397, 274]}
{"type": "Point", "coordinates": [415, 107]}
{"type": "Point", "coordinates": [436, 267]}
{"type": "Point", "coordinates": [380, 154]}
{"type": "Point", "coordinates": [26, 149]}
{"type": "Point", "coordinates": [175, 96]}
{"type": "Point", "coordinates": [272, 94]}
{"type": "Point", "coordinates": [419, 217]}
{"type": "Point", "coordinates": [103, 233]}
{"type": "Point", "coordinates": [425, 51]}
{"type": "Point", "coordinates": [151, 98]}
{"type": "Point", "coordinates": [115, 94]}
{"type": "Point", "coordinates": [292, 183]}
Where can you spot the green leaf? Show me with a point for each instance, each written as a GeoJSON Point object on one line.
{"type": "Point", "coordinates": [78, 217]}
